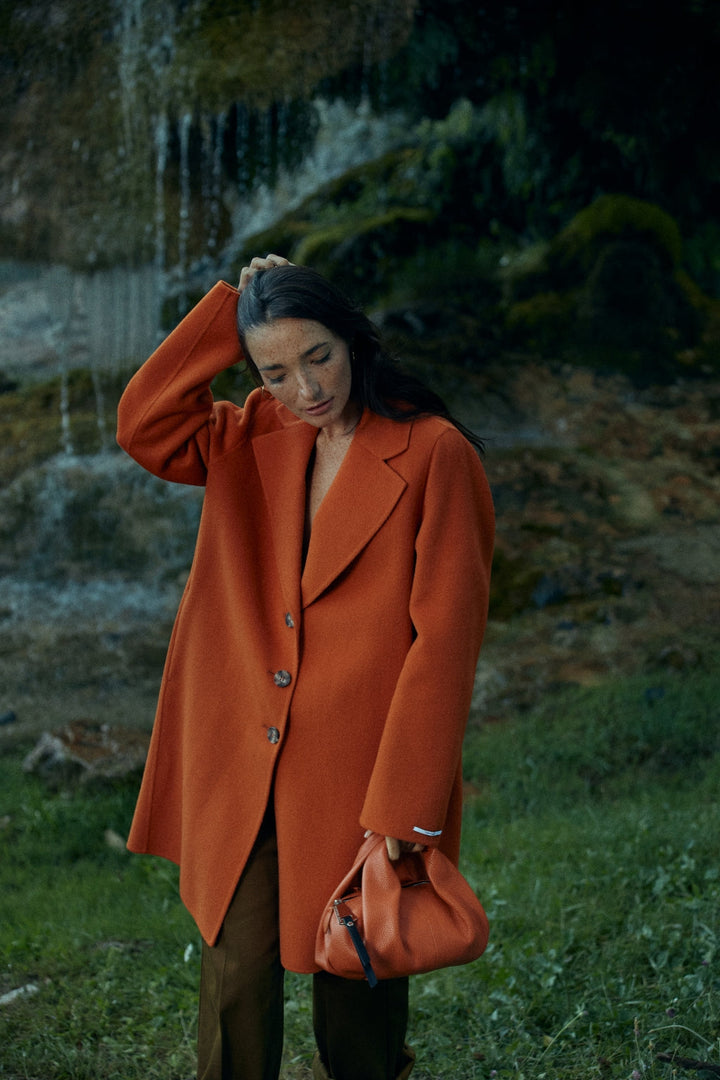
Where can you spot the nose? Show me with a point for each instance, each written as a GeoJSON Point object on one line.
{"type": "Point", "coordinates": [309, 387]}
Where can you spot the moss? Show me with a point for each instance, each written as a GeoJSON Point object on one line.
{"type": "Point", "coordinates": [280, 49]}
{"type": "Point", "coordinates": [391, 177]}
{"type": "Point", "coordinates": [361, 256]}
{"type": "Point", "coordinates": [91, 200]}
{"type": "Point", "coordinates": [543, 322]}
{"type": "Point", "coordinates": [632, 307]}
{"type": "Point", "coordinates": [325, 247]}
{"type": "Point", "coordinates": [612, 217]}
{"type": "Point", "coordinates": [610, 291]}
{"type": "Point", "coordinates": [364, 226]}
{"type": "Point", "coordinates": [31, 427]}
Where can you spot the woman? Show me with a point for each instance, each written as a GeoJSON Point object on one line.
{"type": "Point", "coordinates": [320, 671]}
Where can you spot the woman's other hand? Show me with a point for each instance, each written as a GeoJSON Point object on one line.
{"type": "Point", "coordinates": [396, 848]}
{"type": "Point", "coordinates": [248, 272]}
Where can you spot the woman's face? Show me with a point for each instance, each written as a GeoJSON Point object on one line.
{"type": "Point", "coordinates": [307, 368]}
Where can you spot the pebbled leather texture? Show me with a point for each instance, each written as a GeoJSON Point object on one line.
{"type": "Point", "coordinates": [414, 915]}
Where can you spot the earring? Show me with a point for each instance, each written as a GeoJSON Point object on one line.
{"type": "Point", "coordinates": [264, 393]}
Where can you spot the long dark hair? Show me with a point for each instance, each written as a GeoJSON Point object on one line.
{"type": "Point", "coordinates": [378, 381]}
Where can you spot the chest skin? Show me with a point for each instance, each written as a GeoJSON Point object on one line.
{"type": "Point", "coordinates": [323, 467]}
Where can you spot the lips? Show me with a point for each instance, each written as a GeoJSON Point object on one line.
{"type": "Point", "coordinates": [318, 410]}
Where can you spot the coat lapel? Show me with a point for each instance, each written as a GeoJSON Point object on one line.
{"type": "Point", "coordinates": [361, 498]}
{"type": "Point", "coordinates": [282, 458]}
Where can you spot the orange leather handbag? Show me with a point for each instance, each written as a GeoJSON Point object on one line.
{"type": "Point", "coordinates": [389, 919]}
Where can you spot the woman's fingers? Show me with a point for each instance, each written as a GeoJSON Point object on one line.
{"type": "Point", "coordinates": [396, 848]}
{"type": "Point", "coordinates": [393, 848]}
{"type": "Point", "coordinates": [258, 263]}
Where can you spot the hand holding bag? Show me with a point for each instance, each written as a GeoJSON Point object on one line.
{"type": "Point", "coordinates": [389, 919]}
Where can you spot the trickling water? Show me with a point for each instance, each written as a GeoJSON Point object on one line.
{"type": "Point", "coordinates": [77, 353]}
{"type": "Point", "coordinates": [345, 136]}
{"type": "Point", "coordinates": [264, 148]}
{"type": "Point", "coordinates": [66, 436]}
{"type": "Point", "coordinates": [242, 149]}
{"type": "Point", "coordinates": [49, 317]}
{"type": "Point", "coordinates": [283, 123]}
{"type": "Point", "coordinates": [161, 155]}
{"type": "Point", "coordinates": [100, 409]}
{"type": "Point", "coordinates": [215, 136]}
{"type": "Point", "coordinates": [130, 54]}
{"type": "Point", "coordinates": [122, 308]}
{"type": "Point", "coordinates": [184, 222]}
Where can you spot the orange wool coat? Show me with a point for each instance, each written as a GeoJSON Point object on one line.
{"type": "Point", "coordinates": [343, 687]}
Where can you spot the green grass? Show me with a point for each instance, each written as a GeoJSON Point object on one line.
{"type": "Point", "coordinates": [592, 840]}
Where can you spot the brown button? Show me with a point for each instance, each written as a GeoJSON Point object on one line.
{"type": "Point", "coordinates": [282, 678]}
{"type": "Point", "coordinates": [273, 735]}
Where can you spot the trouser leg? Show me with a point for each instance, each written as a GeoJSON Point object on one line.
{"type": "Point", "coordinates": [240, 1030]}
{"type": "Point", "coordinates": [360, 1033]}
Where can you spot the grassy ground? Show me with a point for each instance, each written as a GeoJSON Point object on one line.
{"type": "Point", "coordinates": [591, 836]}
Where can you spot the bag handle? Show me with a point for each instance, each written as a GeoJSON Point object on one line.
{"type": "Point", "coordinates": [345, 918]}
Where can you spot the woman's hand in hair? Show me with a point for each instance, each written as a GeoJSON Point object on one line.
{"type": "Point", "coordinates": [248, 272]}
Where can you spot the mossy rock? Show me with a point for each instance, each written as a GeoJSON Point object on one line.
{"type": "Point", "coordinates": [609, 219]}
{"type": "Point", "coordinates": [390, 176]}
{"type": "Point", "coordinates": [632, 307]}
{"type": "Point", "coordinates": [364, 227]}
{"type": "Point", "coordinates": [566, 261]}
{"type": "Point", "coordinates": [609, 291]}
{"type": "Point", "coordinates": [359, 254]}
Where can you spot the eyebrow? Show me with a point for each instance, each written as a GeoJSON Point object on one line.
{"type": "Point", "coordinates": [303, 356]}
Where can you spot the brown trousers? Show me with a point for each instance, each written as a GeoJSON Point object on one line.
{"type": "Point", "coordinates": [360, 1033]}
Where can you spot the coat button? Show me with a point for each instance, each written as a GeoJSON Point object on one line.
{"type": "Point", "coordinates": [289, 620]}
{"type": "Point", "coordinates": [273, 735]}
{"type": "Point", "coordinates": [282, 678]}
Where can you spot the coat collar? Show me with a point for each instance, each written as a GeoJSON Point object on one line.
{"type": "Point", "coordinates": [361, 498]}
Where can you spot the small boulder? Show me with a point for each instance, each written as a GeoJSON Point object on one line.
{"type": "Point", "coordinates": [85, 751]}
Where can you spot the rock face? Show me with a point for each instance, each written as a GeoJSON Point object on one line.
{"type": "Point", "coordinates": [131, 129]}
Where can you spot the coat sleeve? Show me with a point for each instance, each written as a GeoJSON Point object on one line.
{"type": "Point", "coordinates": [420, 750]}
{"type": "Point", "coordinates": [167, 411]}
